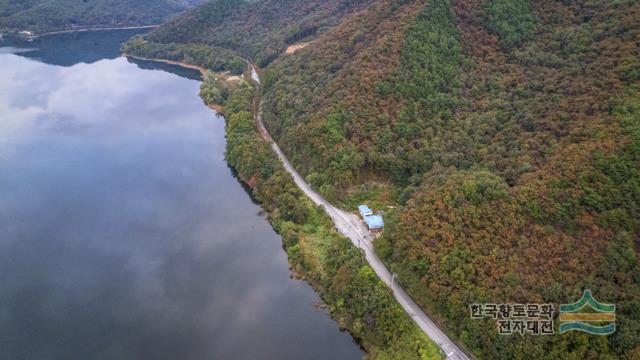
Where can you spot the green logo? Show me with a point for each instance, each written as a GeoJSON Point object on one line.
{"type": "Point", "coordinates": [600, 320]}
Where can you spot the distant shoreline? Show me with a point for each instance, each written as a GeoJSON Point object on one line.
{"type": "Point", "coordinates": [82, 30]}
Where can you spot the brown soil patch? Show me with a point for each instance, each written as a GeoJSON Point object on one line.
{"type": "Point", "coordinates": [295, 47]}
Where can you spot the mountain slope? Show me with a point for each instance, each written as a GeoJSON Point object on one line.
{"type": "Point", "coordinates": [259, 31]}
{"type": "Point", "coordinates": [50, 15]}
{"type": "Point", "coordinates": [507, 131]}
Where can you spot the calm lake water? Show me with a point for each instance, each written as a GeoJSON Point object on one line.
{"type": "Point", "coordinates": [123, 233]}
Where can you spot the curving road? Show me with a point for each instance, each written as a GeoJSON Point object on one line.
{"type": "Point", "coordinates": [349, 225]}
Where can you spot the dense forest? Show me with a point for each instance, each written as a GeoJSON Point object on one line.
{"type": "Point", "coordinates": [213, 58]}
{"type": "Point", "coordinates": [52, 15]}
{"type": "Point", "coordinates": [507, 133]}
{"type": "Point", "coordinates": [501, 137]}
{"type": "Point", "coordinates": [257, 30]}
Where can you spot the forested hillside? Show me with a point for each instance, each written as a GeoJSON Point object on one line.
{"type": "Point", "coordinates": [508, 134]}
{"type": "Point", "coordinates": [357, 298]}
{"type": "Point", "coordinates": [501, 137]}
{"type": "Point", "coordinates": [52, 15]}
{"type": "Point", "coordinates": [257, 30]}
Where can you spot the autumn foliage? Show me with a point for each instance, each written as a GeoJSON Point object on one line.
{"type": "Point", "coordinates": [512, 130]}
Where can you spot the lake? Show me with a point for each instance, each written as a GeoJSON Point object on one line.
{"type": "Point", "coordinates": [124, 233]}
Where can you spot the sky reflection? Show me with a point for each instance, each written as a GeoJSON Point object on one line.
{"type": "Point", "coordinates": [124, 233]}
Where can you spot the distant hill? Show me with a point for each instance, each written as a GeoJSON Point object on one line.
{"type": "Point", "coordinates": [52, 15]}
{"type": "Point", "coordinates": [258, 30]}
{"type": "Point", "coordinates": [505, 136]}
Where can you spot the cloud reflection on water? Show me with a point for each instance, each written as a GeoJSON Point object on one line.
{"type": "Point", "coordinates": [124, 234]}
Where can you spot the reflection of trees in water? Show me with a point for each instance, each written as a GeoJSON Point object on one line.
{"type": "Point", "coordinates": [73, 48]}
{"type": "Point", "coordinates": [170, 68]}
{"type": "Point", "coordinates": [86, 47]}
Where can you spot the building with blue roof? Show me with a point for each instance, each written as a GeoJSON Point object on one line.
{"type": "Point", "coordinates": [374, 222]}
{"type": "Point", "coordinates": [365, 211]}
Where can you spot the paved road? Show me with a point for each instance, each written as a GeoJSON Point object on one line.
{"type": "Point", "coordinates": [349, 225]}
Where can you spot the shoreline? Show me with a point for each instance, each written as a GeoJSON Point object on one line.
{"type": "Point", "coordinates": [215, 107]}
{"type": "Point", "coordinates": [331, 263]}
{"type": "Point", "coordinates": [59, 32]}
{"type": "Point", "coordinates": [200, 69]}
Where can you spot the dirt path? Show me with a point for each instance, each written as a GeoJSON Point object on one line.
{"type": "Point", "coordinates": [295, 47]}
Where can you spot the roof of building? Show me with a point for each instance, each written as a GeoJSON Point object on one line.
{"type": "Point", "coordinates": [365, 210]}
{"type": "Point", "coordinates": [374, 221]}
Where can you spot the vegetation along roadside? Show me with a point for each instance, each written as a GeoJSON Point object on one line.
{"type": "Point", "coordinates": [357, 299]}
